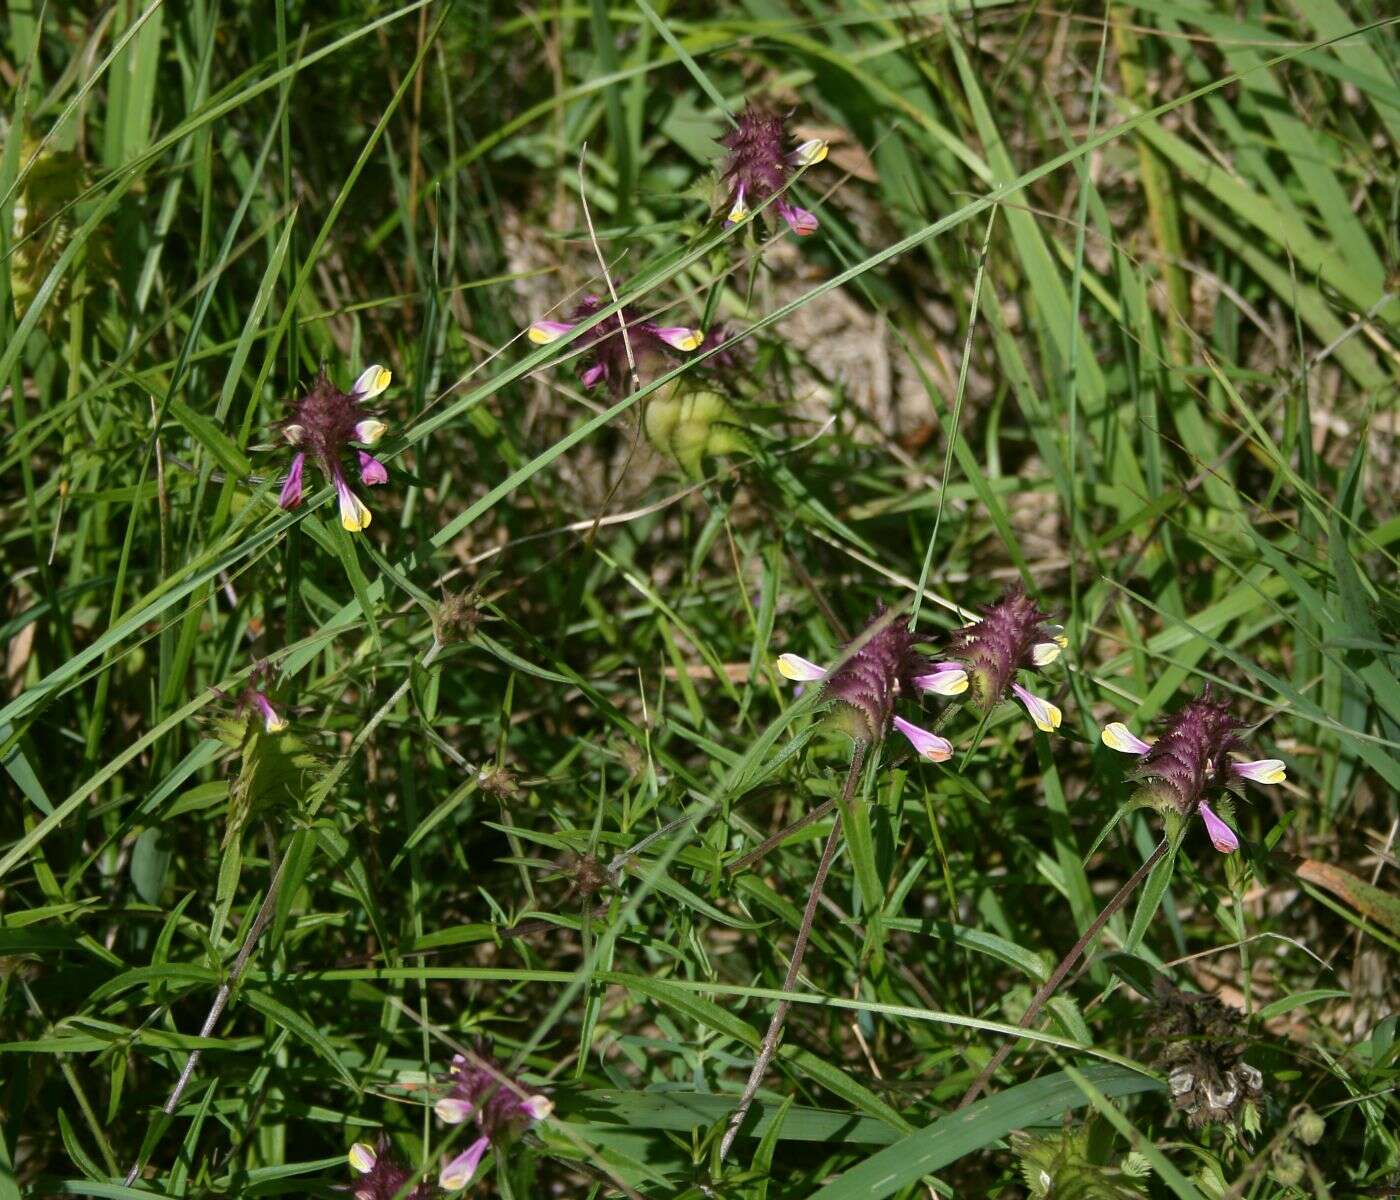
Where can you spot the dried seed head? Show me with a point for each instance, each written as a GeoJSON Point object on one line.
{"type": "Point", "coordinates": [457, 616]}
{"type": "Point", "coordinates": [1202, 1046]}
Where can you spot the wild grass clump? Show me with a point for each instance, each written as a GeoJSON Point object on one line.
{"type": "Point", "coordinates": [703, 601]}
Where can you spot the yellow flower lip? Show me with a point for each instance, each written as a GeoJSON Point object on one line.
{"type": "Point", "coordinates": [802, 670]}
{"type": "Point", "coordinates": [373, 380]}
{"type": "Point", "coordinates": [1117, 736]}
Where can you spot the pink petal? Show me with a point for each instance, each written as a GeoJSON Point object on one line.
{"type": "Point", "coordinates": [372, 471]}
{"type": "Point", "coordinates": [799, 220]}
{"type": "Point", "coordinates": [291, 488]}
{"type": "Point", "coordinates": [1047, 716]}
{"type": "Point", "coordinates": [946, 679]}
{"type": "Point", "coordinates": [1222, 837]}
{"type": "Point", "coordinates": [593, 374]}
{"type": "Point", "coordinates": [544, 332]}
{"type": "Point", "coordinates": [1261, 770]}
{"type": "Point", "coordinates": [804, 670]}
{"type": "Point", "coordinates": [458, 1173]}
{"type": "Point", "coordinates": [678, 336]}
{"type": "Point", "coordinates": [929, 745]}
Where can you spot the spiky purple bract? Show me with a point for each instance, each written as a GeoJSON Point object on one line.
{"type": "Point", "coordinates": [998, 645]}
{"type": "Point", "coordinates": [1191, 756]}
{"type": "Point", "coordinates": [759, 167]}
{"type": "Point", "coordinates": [883, 665]}
{"type": "Point", "coordinates": [382, 1177]}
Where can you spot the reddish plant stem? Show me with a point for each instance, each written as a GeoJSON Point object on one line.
{"type": "Point", "coordinates": [769, 1045]}
{"type": "Point", "coordinates": [1057, 976]}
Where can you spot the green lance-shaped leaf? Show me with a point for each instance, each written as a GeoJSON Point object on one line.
{"type": "Point", "coordinates": [275, 770]}
{"type": "Point", "coordinates": [689, 424]}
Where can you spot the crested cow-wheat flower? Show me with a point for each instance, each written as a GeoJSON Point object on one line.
{"type": "Point", "coordinates": [1193, 755]}
{"type": "Point", "coordinates": [477, 1091]}
{"type": "Point", "coordinates": [323, 424]}
{"type": "Point", "coordinates": [604, 357]}
{"type": "Point", "coordinates": [760, 166]}
{"type": "Point", "coordinates": [879, 665]}
{"type": "Point", "coordinates": [254, 697]}
{"type": "Point", "coordinates": [1011, 636]}
{"type": "Point", "coordinates": [382, 1176]}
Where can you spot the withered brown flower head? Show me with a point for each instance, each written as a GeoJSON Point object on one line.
{"type": "Point", "coordinates": [1202, 1050]}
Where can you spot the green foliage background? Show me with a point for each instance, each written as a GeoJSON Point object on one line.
{"type": "Point", "coordinates": [1103, 301]}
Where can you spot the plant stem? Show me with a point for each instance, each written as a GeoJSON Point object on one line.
{"type": "Point", "coordinates": [1057, 976]}
{"type": "Point", "coordinates": [775, 1026]}
{"type": "Point", "coordinates": [221, 998]}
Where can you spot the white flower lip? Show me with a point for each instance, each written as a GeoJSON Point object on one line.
{"type": "Point", "coordinates": [1047, 716]}
{"type": "Point", "coordinates": [544, 332]}
{"type": "Point", "coordinates": [679, 336]}
{"type": "Point", "coordinates": [370, 430]}
{"type": "Point", "coordinates": [452, 1111]}
{"type": "Point", "coordinates": [371, 382]}
{"type": "Point", "coordinates": [362, 1157]}
{"type": "Point", "coordinates": [1267, 771]}
{"type": "Point", "coordinates": [539, 1107]}
{"type": "Point", "coordinates": [946, 679]}
{"type": "Point", "coordinates": [1117, 736]}
{"type": "Point", "coordinates": [803, 670]}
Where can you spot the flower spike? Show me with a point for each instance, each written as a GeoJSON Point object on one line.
{"type": "Point", "coordinates": [604, 349]}
{"type": "Point", "coordinates": [1191, 758]}
{"type": "Point", "coordinates": [382, 1177]}
{"type": "Point", "coordinates": [501, 1109]}
{"type": "Point", "coordinates": [322, 425]}
{"type": "Point", "coordinates": [1011, 635]}
{"type": "Point", "coordinates": [758, 168]}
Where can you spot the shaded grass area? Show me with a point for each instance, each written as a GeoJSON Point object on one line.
{"type": "Point", "coordinates": [1101, 303]}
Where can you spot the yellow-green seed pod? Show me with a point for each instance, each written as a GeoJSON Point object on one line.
{"type": "Point", "coordinates": [689, 425]}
